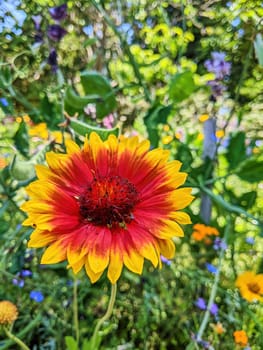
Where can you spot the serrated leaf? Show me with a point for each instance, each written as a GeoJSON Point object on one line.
{"type": "Point", "coordinates": [251, 170]}
{"type": "Point", "coordinates": [181, 86]}
{"type": "Point", "coordinates": [236, 151]}
{"type": "Point", "coordinates": [21, 139]}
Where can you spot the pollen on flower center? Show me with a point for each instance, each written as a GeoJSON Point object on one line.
{"type": "Point", "coordinates": [254, 287]}
{"type": "Point", "coordinates": [108, 201]}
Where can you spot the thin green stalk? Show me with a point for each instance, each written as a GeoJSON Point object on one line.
{"type": "Point", "coordinates": [214, 287]}
{"type": "Point", "coordinates": [16, 340]}
{"type": "Point", "coordinates": [106, 316]}
{"type": "Point", "coordinates": [75, 308]}
{"type": "Point", "coordinates": [30, 326]}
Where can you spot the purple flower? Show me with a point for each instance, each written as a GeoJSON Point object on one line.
{"type": "Point", "coordinates": [59, 12]}
{"type": "Point", "coordinates": [25, 273]}
{"type": "Point", "coordinates": [52, 60]}
{"type": "Point", "coordinates": [165, 260]}
{"type": "Point", "coordinates": [18, 282]}
{"type": "Point", "coordinates": [37, 21]}
{"type": "Point", "coordinates": [217, 88]}
{"type": "Point", "coordinates": [200, 303]}
{"type": "Point", "coordinates": [55, 32]}
{"type": "Point", "coordinates": [218, 65]}
{"type": "Point", "coordinates": [4, 102]}
{"type": "Point", "coordinates": [211, 268]}
{"type": "Point", "coordinates": [250, 240]}
{"type": "Point", "coordinates": [36, 295]}
{"type": "Point", "coordinates": [214, 309]}
{"type": "Point", "coordinates": [219, 244]}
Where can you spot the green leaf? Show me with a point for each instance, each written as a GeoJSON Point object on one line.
{"type": "Point", "coordinates": [5, 76]}
{"type": "Point", "coordinates": [71, 343]}
{"type": "Point", "coordinates": [94, 83]}
{"type": "Point", "coordinates": [22, 170]}
{"type": "Point", "coordinates": [4, 226]}
{"type": "Point", "coordinates": [181, 86]}
{"type": "Point", "coordinates": [157, 114]}
{"type": "Point", "coordinates": [79, 102]}
{"type": "Point", "coordinates": [251, 170]}
{"type": "Point", "coordinates": [236, 151]}
{"type": "Point", "coordinates": [21, 139]}
{"type": "Point", "coordinates": [89, 42]}
{"type": "Point", "coordinates": [258, 45]}
{"type": "Point", "coordinates": [247, 200]}
{"type": "Point", "coordinates": [85, 129]}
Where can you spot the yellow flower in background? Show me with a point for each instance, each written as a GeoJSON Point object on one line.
{"type": "Point", "coordinates": [250, 286]}
{"type": "Point", "coordinates": [8, 312]}
{"type": "Point", "coordinates": [200, 136]}
{"type": "Point", "coordinates": [111, 203]}
{"type": "Point", "coordinates": [167, 139]}
{"type": "Point", "coordinates": [202, 118]}
{"type": "Point", "coordinates": [256, 150]}
{"type": "Point", "coordinates": [220, 134]}
{"type": "Point", "coordinates": [57, 136]}
{"type": "Point", "coordinates": [201, 232]}
{"type": "Point", "coordinates": [240, 338]}
{"type": "Point", "coordinates": [218, 328]}
{"type": "Point", "coordinates": [24, 118]}
{"type": "Point", "coordinates": [166, 127]}
{"type": "Point", "coordinates": [39, 130]}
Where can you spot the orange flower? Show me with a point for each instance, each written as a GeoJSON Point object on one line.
{"type": "Point", "coordinates": [8, 312]}
{"type": "Point", "coordinates": [110, 204]}
{"type": "Point", "coordinates": [201, 232]}
{"type": "Point", "coordinates": [3, 163]}
{"type": "Point", "coordinates": [250, 286]}
{"type": "Point", "coordinates": [240, 338]}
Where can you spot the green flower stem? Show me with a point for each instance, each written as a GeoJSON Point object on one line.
{"type": "Point", "coordinates": [215, 285]}
{"type": "Point", "coordinates": [75, 308]}
{"type": "Point", "coordinates": [106, 316]}
{"type": "Point", "coordinates": [15, 339]}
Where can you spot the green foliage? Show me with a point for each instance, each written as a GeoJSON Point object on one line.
{"type": "Point", "coordinates": [85, 129]}
{"type": "Point", "coordinates": [236, 151]}
{"type": "Point", "coordinates": [156, 115]}
{"type": "Point", "coordinates": [97, 90]}
{"type": "Point", "coordinates": [181, 86]}
{"type": "Point", "coordinates": [21, 140]}
{"type": "Point", "coordinates": [251, 170]}
{"type": "Point", "coordinates": [143, 64]}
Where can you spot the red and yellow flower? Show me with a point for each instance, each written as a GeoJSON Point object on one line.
{"type": "Point", "coordinates": [250, 286]}
{"type": "Point", "coordinates": [110, 204]}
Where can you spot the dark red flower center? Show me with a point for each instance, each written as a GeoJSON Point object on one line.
{"type": "Point", "coordinates": [108, 201]}
{"type": "Point", "coordinates": [254, 287]}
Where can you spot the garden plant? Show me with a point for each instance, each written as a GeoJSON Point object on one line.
{"type": "Point", "coordinates": [131, 175]}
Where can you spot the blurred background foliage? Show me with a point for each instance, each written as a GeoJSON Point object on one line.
{"type": "Point", "coordinates": [137, 67]}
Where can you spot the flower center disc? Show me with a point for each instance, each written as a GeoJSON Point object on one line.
{"type": "Point", "coordinates": [108, 201]}
{"type": "Point", "coordinates": [254, 288]}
